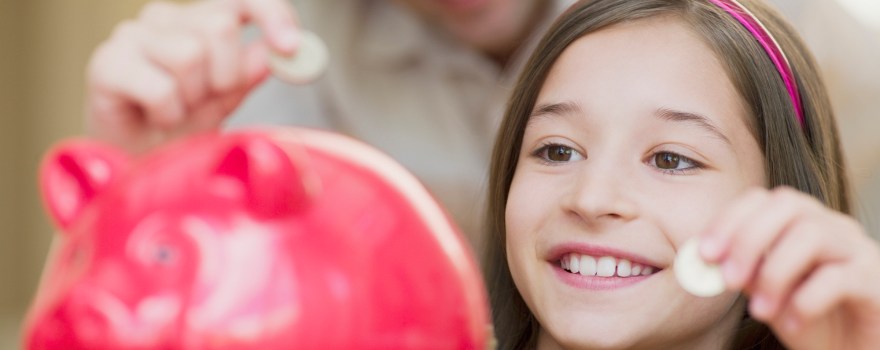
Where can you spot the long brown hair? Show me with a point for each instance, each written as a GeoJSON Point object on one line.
{"type": "Point", "coordinates": [807, 157]}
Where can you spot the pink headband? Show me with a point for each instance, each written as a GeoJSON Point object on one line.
{"type": "Point", "coordinates": [748, 20]}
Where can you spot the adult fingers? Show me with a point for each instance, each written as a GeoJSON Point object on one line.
{"type": "Point", "coordinates": [183, 55]}
{"type": "Point", "coordinates": [276, 18]}
{"type": "Point", "coordinates": [209, 113]}
{"type": "Point", "coordinates": [120, 70]}
{"type": "Point", "coordinates": [218, 25]}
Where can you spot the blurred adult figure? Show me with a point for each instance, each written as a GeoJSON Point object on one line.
{"type": "Point", "coordinates": [423, 80]}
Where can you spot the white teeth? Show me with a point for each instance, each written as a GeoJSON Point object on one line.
{"type": "Point", "coordinates": [588, 265]}
{"type": "Point", "coordinates": [636, 270]}
{"type": "Point", "coordinates": [623, 268]}
{"type": "Point", "coordinates": [605, 266]}
{"type": "Point", "coordinates": [574, 264]}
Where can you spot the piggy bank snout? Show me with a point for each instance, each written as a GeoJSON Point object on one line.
{"type": "Point", "coordinates": [76, 322]}
{"type": "Point", "coordinates": [90, 317]}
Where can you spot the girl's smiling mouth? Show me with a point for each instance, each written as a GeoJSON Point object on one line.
{"type": "Point", "coordinates": [599, 268]}
{"type": "Point", "coordinates": [606, 266]}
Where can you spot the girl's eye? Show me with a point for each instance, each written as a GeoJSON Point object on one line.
{"type": "Point", "coordinates": [556, 153]}
{"type": "Point", "coordinates": [673, 162]}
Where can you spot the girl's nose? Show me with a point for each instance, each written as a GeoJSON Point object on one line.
{"type": "Point", "coordinates": [602, 195]}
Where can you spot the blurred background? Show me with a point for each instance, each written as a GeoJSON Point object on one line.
{"type": "Point", "coordinates": [45, 44]}
{"type": "Point", "coordinates": [44, 47]}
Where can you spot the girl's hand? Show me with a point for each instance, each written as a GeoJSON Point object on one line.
{"type": "Point", "coordinates": [813, 274]}
{"type": "Point", "coordinates": [181, 68]}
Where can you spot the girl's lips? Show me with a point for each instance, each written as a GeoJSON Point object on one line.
{"type": "Point", "coordinates": [593, 267]}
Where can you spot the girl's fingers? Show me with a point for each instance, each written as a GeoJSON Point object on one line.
{"type": "Point", "coordinates": [784, 267]}
{"type": "Point", "coordinates": [847, 269]}
{"type": "Point", "coordinates": [808, 319]}
{"type": "Point", "coordinates": [822, 239]}
{"type": "Point", "coordinates": [714, 245]}
{"type": "Point", "coordinates": [824, 290]}
{"type": "Point", "coordinates": [819, 285]}
{"type": "Point", "coordinates": [811, 273]}
{"type": "Point", "coordinates": [757, 234]}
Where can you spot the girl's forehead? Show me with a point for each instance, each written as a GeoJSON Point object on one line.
{"type": "Point", "coordinates": [639, 67]}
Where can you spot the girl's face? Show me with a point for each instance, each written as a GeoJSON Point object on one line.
{"type": "Point", "coordinates": [637, 139]}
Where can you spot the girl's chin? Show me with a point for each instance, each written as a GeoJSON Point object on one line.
{"type": "Point", "coordinates": [694, 324]}
{"type": "Point", "coordinates": [583, 339]}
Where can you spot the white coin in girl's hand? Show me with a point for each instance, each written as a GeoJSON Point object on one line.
{"type": "Point", "coordinates": [306, 65]}
{"type": "Point", "coordinates": [695, 275]}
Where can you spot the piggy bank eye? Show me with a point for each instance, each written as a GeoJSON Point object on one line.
{"type": "Point", "coordinates": [164, 254]}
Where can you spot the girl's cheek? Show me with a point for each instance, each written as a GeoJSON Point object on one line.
{"type": "Point", "coordinates": [515, 223]}
{"type": "Point", "coordinates": [684, 214]}
{"type": "Point", "coordinates": [528, 199]}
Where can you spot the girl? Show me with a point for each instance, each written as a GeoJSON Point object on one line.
{"type": "Point", "coordinates": [640, 124]}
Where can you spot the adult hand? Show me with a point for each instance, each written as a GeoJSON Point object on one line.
{"type": "Point", "coordinates": [812, 274]}
{"type": "Point", "coordinates": [181, 68]}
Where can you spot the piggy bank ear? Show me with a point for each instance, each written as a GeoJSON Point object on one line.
{"type": "Point", "coordinates": [73, 173]}
{"type": "Point", "coordinates": [275, 182]}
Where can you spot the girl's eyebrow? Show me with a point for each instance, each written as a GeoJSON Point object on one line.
{"type": "Point", "coordinates": [557, 109]}
{"type": "Point", "coordinates": [693, 118]}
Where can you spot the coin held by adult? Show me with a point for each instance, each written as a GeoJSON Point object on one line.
{"type": "Point", "coordinates": [306, 65]}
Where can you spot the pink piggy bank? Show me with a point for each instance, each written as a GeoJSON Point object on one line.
{"type": "Point", "coordinates": [282, 239]}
